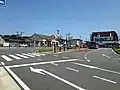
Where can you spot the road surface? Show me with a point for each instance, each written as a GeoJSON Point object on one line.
{"type": "Point", "coordinates": [97, 69]}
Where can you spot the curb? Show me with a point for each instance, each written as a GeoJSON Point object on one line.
{"type": "Point", "coordinates": [6, 81]}
{"type": "Point", "coordinates": [115, 51]}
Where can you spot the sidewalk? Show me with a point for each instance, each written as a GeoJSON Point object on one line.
{"type": "Point", "coordinates": [6, 82]}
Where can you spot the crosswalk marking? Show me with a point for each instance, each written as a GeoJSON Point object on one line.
{"type": "Point", "coordinates": [28, 55]}
{"type": "Point", "coordinates": [34, 54]}
{"type": "Point", "coordinates": [6, 58]}
{"type": "Point", "coordinates": [13, 56]}
{"type": "Point", "coordinates": [22, 56]}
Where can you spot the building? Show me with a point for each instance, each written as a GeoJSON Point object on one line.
{"type": "Point", "coordinates": [77, 42]}
{"type": "Point", "coordinates": [105, 39]}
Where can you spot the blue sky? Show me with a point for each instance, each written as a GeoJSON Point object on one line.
{"type": "Point", "coordinates": [78, 17]}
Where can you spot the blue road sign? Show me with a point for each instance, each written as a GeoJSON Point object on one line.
{"type": "Point", "coordinates": [2, 2]}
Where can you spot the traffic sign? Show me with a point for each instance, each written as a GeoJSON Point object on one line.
{"type": "Point", "coordinates": [3, 2]}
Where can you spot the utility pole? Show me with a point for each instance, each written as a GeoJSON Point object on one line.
{"type": "Point", "coordinates": [17, 38]}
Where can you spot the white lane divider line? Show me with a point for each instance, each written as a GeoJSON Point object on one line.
{"type": "Point", "coordinates": [97, 68]}
{"type": "Point", "coordinates": [107, 80]}
{"type": "Point", "coordinates": [28, 55]}
{"type": "Point", "coordinates": [13, 56]}
{"type": "Point", "coordinates": [22, 56]}
{"type": "Point", "coordinates": [55, 64]}
{"type": "Point", "coordinates": [6, 58]}
{"type": "Point", "coordinates": [72, 69]}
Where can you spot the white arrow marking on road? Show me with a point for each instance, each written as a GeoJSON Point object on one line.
{"type": "Point", "coordinates": [37, 71]}
{"type": "Point", "coordinates": [105, 79]}
{"type": "Point", "coordinates": [106, 56]}
{"type": "Point", "coordinates": [93, 67]}
{"type": "Point", "coordinates": [59, 78]}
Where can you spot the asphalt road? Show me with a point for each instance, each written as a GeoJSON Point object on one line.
{"type": "Point", "coordinates": [97, 69]}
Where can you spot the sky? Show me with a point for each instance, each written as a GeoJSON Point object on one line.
{"type": "Point", "coordinates": [78, 17]}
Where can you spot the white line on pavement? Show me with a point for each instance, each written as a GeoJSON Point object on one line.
{"type": "Point", "coordinates": [6, 58]}
{"type": "Point", "coordinates": [13, 56]}
{"type": "Point", "coordinates": [59, 78]}
{"type": "Point", "coordinates": [40, 59]}
{"type": "Point", "coordinates": [22, 56]}
{"type": "Point", "coordinates": [88, 60]}
{"type": "Point", "coordinates": [18, 79]}
{"type": "Point", "coordinates": [34, 54]}
{"type": "Point", "coordinates": [55, 55]}
{"type": "Point", "coordinates": [55, 64]}
{"type": "Point", "coordinates": [58, 61]}
{"type": "Point", "coordinates": [80, 60]}
{"type": "Point", "coordinates": [72, 69]}
{"type": "Point", "coordinates": [97, 68]}
{"type": "Point", "coordinates": [28, 55]}
{"type": "Point", "coordinates": [65, 57]}
{"type": "Point", "coordinates": [90, 52]}
{"type": "Point", "coordinates": [104, 55]}
{"type": "Point", "coordinates": [105, 79]}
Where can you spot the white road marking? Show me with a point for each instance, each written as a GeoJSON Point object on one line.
{"type": "Point", "coordinates": [58, 61]}
{"type": "Point", "coordinates": [110, 81]}
{"type": "Point", "coordinates": [106, 56]}
{"type": "Point", "coordinates": [40, 59]}
{"type": "Point", "coordinates": [36, 71]}
{"type": "Point", "coordinates": [42, 54]}
{"type": "Point", "coordinates": [80, 60]}
{"type": "Point", "coordinates": [6, 57]}
{"type": "Point", "coordinates": [2, 63]}
{"type": "Point", "coordinates": [55, 64]}
{"type": "Point", "coordinates": [72, 69]}
{"type": "Point", "coordinates": [65, 57]}
{"type": "Point", "coordinates": [18, 79]}
{"type": "Point", "coordinates": [90, 52]}
{"type": "Point", "coordinates": [28, 55]}
{"type": "Point", "coordinates": [13, 56]}
{"type": "Point", "coordinates": [22, 56]}
{"type": "Point", "coordinates": [88, 60]}
{"type": "Point", "coordinates": [55, 55]}
{"type": "Point", "coordinates": [97, 68]}
{"type": "Point", "coordinates": [34, 54]}
{"type": "Point", "coordinates": [61, 79]}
